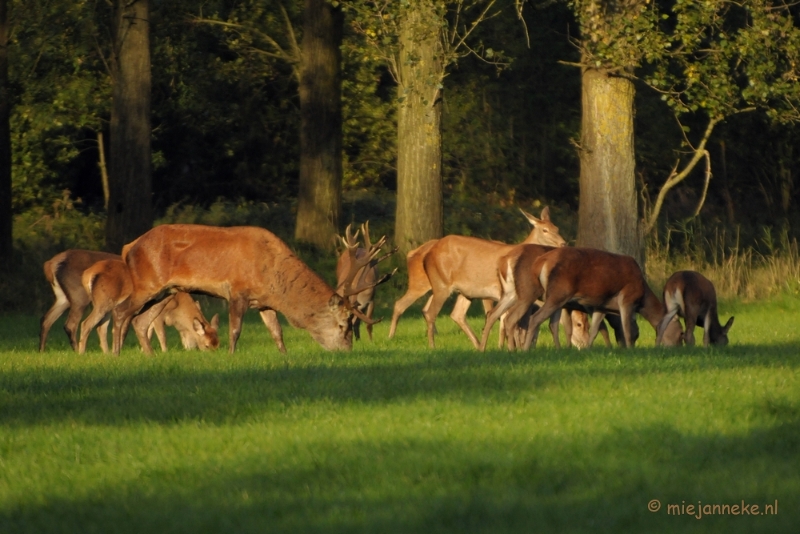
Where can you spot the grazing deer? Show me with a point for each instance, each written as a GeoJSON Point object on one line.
{"type": "Point", "coordinates": [597, 281]}
{"type": "Point", "coordinates": [464, 264]}
{"type": "Point", "coordinates": [108, 283]}
{"type": "Point", "coordinates": [184, 313]}
{"type": "Point", "coordinates": [366, 276]}
{"type": "Point", "coordinates": [691, 295]}
{"type": "Point", "coordinates": [248, 267]}
{"type": "Point", "coordinates": [63, 271]}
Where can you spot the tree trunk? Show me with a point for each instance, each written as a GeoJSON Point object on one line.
{"type": "Point", "coordinates": [608, 216]}
{"type": "Point", "coordinates": [320, 187]}
{"type": "Point", "coordinates": [419, 137]}
{"type": "Point", "coordinates": [130, 203]}
{"type": "Point", "coordinates": [6, 218]}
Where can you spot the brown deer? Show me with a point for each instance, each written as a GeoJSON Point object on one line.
{"type": "Point", "coordinates": [63, 271]}
{"type": "Point", "coordinates": [692, 296]}
{"type": "Point", "coordinates": [596, 281]}
{"type": "Point", "coordinates": [464, 264]}
{"type": "Point", "coordinates": [108, 283]}
{"type": "Point", "coordinates": [248, 267]}
{"type": "Point", "coordinates": [184, 313]}
{"type": "Point", "coordinates": [366, 276]}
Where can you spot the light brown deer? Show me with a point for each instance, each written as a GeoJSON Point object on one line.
{"type": "Point", "coordinates": [250, 267]}
{"type": "Point", "coordinates": [464, 264]}
{"type": "Point", "coordinates": [63, 271]}
{"type": "Point", "coordinates": [594, 280]}
{"type": "Point", "coordinates": [184, 313]}
{"type": "Point", "coordinates": [108, 283]}
{"type": "Point", "coordinates": [366, 276]}
{"type": "Point", "coordinates": [692, 296]}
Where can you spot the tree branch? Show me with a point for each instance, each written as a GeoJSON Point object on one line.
{"type": "Point", "coordinates": [675, 178]}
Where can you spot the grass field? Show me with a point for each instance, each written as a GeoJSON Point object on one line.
{"type": "Point", "coordinates": [393, 437]}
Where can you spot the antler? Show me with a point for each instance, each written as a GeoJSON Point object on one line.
{"type": "Point", "coordinates": [350, 240]}
{"type": "Point", "coordinates": [361, 259]}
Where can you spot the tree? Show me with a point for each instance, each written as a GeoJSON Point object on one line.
{"type": "Point", "coordinates": [130, 206]}
{"type": "Point", "coordinates": [320, 186]}
{"type": "Point", "coordinates": [419, 40]}
{"type": "Point", "coordinates": [6, 215]}
{"type": "Point", "coordinates": [714, 59]}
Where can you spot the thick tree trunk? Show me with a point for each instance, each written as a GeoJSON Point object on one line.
{"type": "Point", "coordinates": [419, 138]}
{"type": "Point", "coordinates": [320, 194]}
{"type": "Point", "coordinates": [6, 219]}
{"type": "Point", "coordinates": [608, 216]}
{"type": "Point", "coordinates": [130, 203]}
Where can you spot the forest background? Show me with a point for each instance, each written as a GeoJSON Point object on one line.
{"type": "Point", "coordinates": [226, 126]}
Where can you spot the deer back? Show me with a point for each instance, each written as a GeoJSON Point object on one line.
{"type": "Point", "coordinates": [240, 263]}
{"type": "Point", "coordinates": [64, 271]}
{"type": "Point", "coordinates": [107, 282]}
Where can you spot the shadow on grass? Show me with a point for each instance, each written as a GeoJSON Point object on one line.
{"type": "Point", "coordinates": [553, 484]}
{"type": "Point", "coordinates": [170, 389]}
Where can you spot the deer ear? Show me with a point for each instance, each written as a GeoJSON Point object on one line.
{"type": "Point", "coordinates": [215, 322]}
{"type": "Point", "coordinates": [531, 219]}
{"type": "Point", "coordinates": [545, 216]}
{"type": "Point", "coordinates": [727, 326]}
{"type": "Point", "coordinates": [199, 329]}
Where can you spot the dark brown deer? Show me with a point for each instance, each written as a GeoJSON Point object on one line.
{"type": "Point", "coordinates": [249, 267]}
{"type": "Point", "coordinates": [467, 265]}
{"type": "Point", "coordinates": [63, 271]}
{"type": "Point", "coordinates": [596, 281]}
{"type": "Point", "coordinates": [366, 276]}
{"type": "Point", "coordinates": [108, 283]}
{"type": "Point", "coordinates": [692, 296]}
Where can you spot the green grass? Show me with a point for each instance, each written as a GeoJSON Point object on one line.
{"type": "Point", "coordinates": [393, 437]}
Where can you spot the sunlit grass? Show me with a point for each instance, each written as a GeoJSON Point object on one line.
{"type": "Point", "coordinates": [393, 437]}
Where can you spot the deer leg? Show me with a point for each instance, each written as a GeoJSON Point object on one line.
{"type": "Point", "coordinates": [459, 315]}
{"type": "Point", "coordinates": [603, 329]}
{"type": "Point", "coordinates": [270, 319]}
{"type": "Point", "coordinates": [161, 333]}
{"type": "Point", "coordinates": [102, 333]}
{"type": "Point", "coordinates": [71, 324]}
{"type": "Point", "coordinates": [403, 303]}
{"type": "Point", "coordinates": [370, 311]}
{"type": "Point", "coordinates": [236, 310]}
{"type": "Point", "coordinates": [122, 315]}
{"type": "Point", "coordinates": [56, 310]}
{"type": "Point", "coordinates": [92, 320]}
{"type": "Point", "coordinates": [548, 309]}
{"type": "Point", "coordinates": [555, 318]}
{"type": "Point", "coordinates": [436, 303]}
{"type": "Point", "coordinates": [707, 329]}
{"type": "Point", "coordinates": [625, 317]}
{"type": "Point", "coordinates": [497, 312]}
{"type": "Point", "coordinates": [142, 322]}
{"type": "Point", "coordinates": [597, 324]}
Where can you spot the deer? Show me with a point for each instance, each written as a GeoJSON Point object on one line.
{"type": "Point", "coordinates": [108, 283]}
{"type": "Point", "coordinates": [692, 296]}
{"type": "Point", "coordinates": [364, 301]}
{"type": "Point", "coordinates": [250, 267]}
{"type": "Point", "coordinates": [595, 281]}
{"type": "Point", "coordinates": [464, 264]}
{"type": "Point", "coordinates": [185, 314]}
{"type": "Point", "coordinates": [63, 272]}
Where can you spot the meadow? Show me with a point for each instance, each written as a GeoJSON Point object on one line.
{"type": "Point", "coordinates": [393, 437]}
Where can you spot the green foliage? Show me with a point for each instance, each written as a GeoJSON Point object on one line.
{"type": "Point", "coordinates": [63, 91]}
